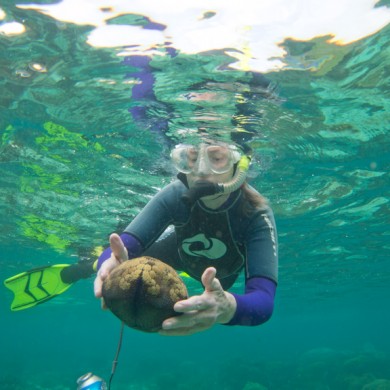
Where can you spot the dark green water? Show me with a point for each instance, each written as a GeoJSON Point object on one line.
{"type": "Point", "coordinates": [76, 166]}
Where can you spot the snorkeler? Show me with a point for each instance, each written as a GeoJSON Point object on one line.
{"type": "Point", "coordinates": [209, 223]}
{"type": "Point", "coordinates": [212, 225]}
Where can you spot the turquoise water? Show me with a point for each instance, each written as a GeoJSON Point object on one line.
{"type": "Point", "coordinates": [76, 165]}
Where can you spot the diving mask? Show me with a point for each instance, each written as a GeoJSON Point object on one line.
{"type": "Point", "coordinates": [215, 158]}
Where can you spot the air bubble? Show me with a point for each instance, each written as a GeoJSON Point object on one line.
{"type": "Point", "coordinates": [35, 66]}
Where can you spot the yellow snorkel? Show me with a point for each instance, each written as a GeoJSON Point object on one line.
{"type": "Point", "coordinates": [238, 178]}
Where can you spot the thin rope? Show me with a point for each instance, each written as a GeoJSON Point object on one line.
{"type": "Point", "coordinates": [115, 361]}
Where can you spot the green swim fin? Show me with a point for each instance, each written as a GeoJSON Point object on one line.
{"type": "Point", "coordinates": [41, 284]}
{"type": "Point", "coordinates": [36, 286]}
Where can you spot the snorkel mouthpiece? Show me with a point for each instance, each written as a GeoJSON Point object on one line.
{"type": "Point", "coordinates": [206, 188]}
{"type": "Point", "coordinates": [199, 190]}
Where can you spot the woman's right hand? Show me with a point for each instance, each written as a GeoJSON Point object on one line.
{"type": "Point", "coordinates": [118, 256]}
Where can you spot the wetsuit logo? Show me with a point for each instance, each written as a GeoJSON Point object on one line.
{"type": "Point", "coordinates": [200, 245]}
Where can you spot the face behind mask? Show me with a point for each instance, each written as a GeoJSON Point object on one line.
{"type": "Point", "coordinates": [205, 160]}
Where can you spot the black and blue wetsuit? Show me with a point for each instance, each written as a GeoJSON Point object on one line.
{"type": "Point", "coordinates": [225, 238]}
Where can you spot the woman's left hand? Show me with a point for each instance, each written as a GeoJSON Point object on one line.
{"type": "Point", "coordinates": [201, 312]}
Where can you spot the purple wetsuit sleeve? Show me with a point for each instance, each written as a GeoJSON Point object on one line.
{"type": "Point", "coordinates": [256, 305]}
{"type": "Point", "coordinates": [133, 246]}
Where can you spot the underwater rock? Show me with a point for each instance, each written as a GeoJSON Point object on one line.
{"type": "Point", "coordinates": [378, 384]}
{"type": "Point", "coordinates": [254, 386]}
{"type": "Point", "coordinates": [141, 292]}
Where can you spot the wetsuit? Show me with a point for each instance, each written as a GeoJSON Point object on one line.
{"type": "Point", "coordinates": [224, 238]}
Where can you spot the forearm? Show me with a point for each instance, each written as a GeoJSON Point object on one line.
{"type": "Point", "coordinates": [256, 305]}
{"type": "Point", "coordinates": [133, 246]}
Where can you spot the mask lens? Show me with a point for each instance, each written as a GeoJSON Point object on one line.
{"type": "Point", "coordinates": [219, 158]}
{"type": "Point", "coordinates": [184, 158]}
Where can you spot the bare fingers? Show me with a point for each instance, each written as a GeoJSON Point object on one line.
{"type": "Point", "coordinates": [186, 324]}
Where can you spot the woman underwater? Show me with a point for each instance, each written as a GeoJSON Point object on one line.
{"type": "Point", "coordinates": [212, 225]}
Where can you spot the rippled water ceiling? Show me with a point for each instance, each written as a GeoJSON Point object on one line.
{"type": "Point", "coordinates": [253, 33]}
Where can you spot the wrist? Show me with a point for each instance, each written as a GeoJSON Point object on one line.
{"type": "Point", "coordinates": [229, 309]}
